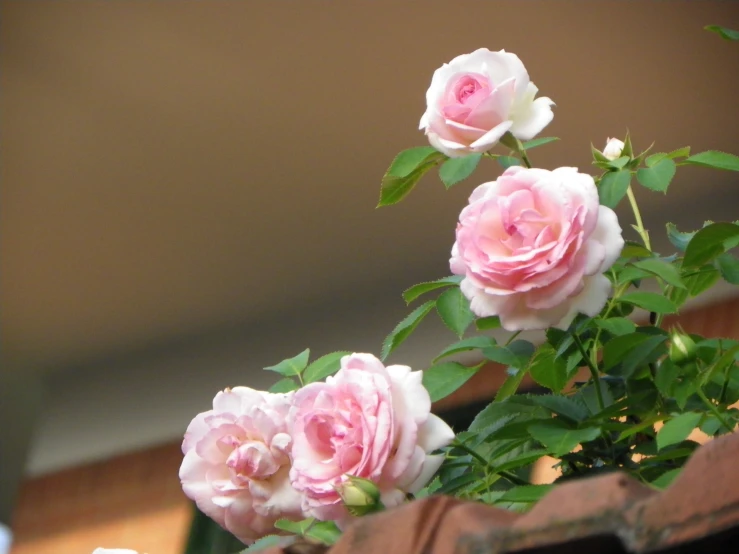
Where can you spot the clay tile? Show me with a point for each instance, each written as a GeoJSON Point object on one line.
{"type": "Point", "coordinates": [466, 525]}
{"type": "Point", "coordinates": [703, 499]}
{"type": "Point", "coordinates": [408, 529]}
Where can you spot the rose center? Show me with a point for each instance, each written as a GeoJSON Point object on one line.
{"type": "Point", "coordinates": [251, 460]}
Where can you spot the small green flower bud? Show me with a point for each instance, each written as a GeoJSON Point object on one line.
{"type": "Point", "coordinates": [682, 348]}
{"type": "Point", "coordinates": [360, 496]}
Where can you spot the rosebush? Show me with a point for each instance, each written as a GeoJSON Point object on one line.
{"type": "Point", "coordinates": [347, 435]}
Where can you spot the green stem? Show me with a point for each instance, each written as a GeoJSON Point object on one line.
{"type": "Point", "coordinates": [524, 157]}
{"type": "Point", "coordinates": [593, 370]}
{"type": "Point", "coordinates": [505, 474]}
{"type": "Point", "coordinates": [710, 405]}
{"type": "Point", "coordinates": [637, 216]}
{"type": "Point", "coordinates": [511, 338]}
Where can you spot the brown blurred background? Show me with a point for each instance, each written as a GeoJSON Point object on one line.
{"type": "Point", "coordinates": [188, 194]}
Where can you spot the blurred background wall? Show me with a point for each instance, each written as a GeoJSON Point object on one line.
{"type": "Point", "coordinates": [188, 195]}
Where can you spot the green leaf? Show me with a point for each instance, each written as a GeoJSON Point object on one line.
{"type": "Point", "coordinates": [728, 265]}
{"type": "Point", "coordinates": [641, 355]}
{"type": "Point", "coordinates": [463, 345]}
{"type": "Point", "coordinates": [616, 325]}
{"type": "Point", "coordinates": [405, 171]}
{"type": "Point", "coordinates": [680, 153]}
{"type": "Point", "coordinates": [559, 439]}
{"type": "Point", "coordinates": [613, 187]}
{"type": "Point", "coordinates": [715, 159]}
{"type": "Point", "coordinates": [619, 163]}
{"type": "Point", "coordinates": [511, 384]}
{"type": "Point", "coordinates": [455, 170]}
{"type": "Point", "coordinates": [723, 32]}
{"type": "Point", "coordinates": [677, 429]}
{"type": "Point", "coordinates": [678, 239]}
{"type": "Point", "coordinates": [616, 349]}
{"type": "Point", "coordinates": [666, 479]}
{"type": "Point", "coordinates": [291, 366]}
{"type": "Point", "coordinates": [666, 376]}
{"type": "Point", "coordinates": [657, 177]}
{"type": "Point", "coordinates": [422, 288]}
{"type": "Point", "coordinates": [295, 527]}
{"type": "Point", "coordinates": [701, 280]}
{"type": "Point", "coordinates": [324, 531]}
{"type": "Point", "coordinates": [650, 301]}
{"type": "Point", "coordinates": [284, 385]}
{"type": "Point", "coordinates": [485, 323]}
{"type": "Point", "coordinates": [529, 144]}
{"type": "Point", "coordinates": [508, 161]}
{"type": "Point", "coordinates": [654, 158]}
{"type": "Point", "coordinates": [522, 460]}
{"type": "Point", "coordinates": [403, 329]}
{"type": "Point", "coordinates": [324, 366]}
{"type": "Point", "coordinates": [628, 149]}
{"type": "Point", "coordinates": [635, 250]}
{"type": "Point", "coordinates": [598, 157]}
{"type": "Point", "coordinates": [565, 406]}
{"type": "Point", "coordinates": [516, 354]}
{"type": "Point", "coordinates": [454, 310]}
{"type": "Point", "coordinates": [646, 426]}
{"type": "Point", "coordinates": [630, 274]}
{"type": "Point", "coordinates": [526, 493]}
{"type": "Point", "coordinates": [263, 544]}
{"type": "Point", "coordinates": [443, 379]}
{"type": "Point", "coordinates": [429, 489]}
{"type": "Point", "coordinates": [710, 242]}
{"type": "Point", "coordinates": [548, 370]}
{"type": "Point", "coordinates": [665, 271]}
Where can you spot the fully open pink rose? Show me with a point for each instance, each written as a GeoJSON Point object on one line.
{"type": "Point", "coordinates": [474, 99]}
{"type": "Point", "coordinates": [367, 421]}
{"type": "Point", "coordinates": [236, 465]}
{"type": "Point", "coordinates": [532, 247]}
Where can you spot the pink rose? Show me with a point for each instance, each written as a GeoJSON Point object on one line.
{"type": "Point", "coordinates": [367, 421]}
{"type": "Point", "coordinates": [236, 466]}
{"type": "Point", "coordinates": [532, 247]}
{"type": "Point", "coordinates": [476, 98]}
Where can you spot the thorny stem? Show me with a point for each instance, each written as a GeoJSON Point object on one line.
{"type": "Point", "coordinates": [511, 338]}
{"type": "Point", "coordinates": [710, 405]}
{"type": "Point", "coordinates": [593, 370]}
{"type": "Point", "coordinates": [524, 157]}
{"type": "Point", "coordinates": [637, 216]}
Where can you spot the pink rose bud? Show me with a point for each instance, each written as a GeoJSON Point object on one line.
{"type": "Point", "coordinates": [367, 421]}
{"type": "Point", "coordinates": [532, 247]}
{"type": "Point", "coordinates": [613, 149]}
{"type": "Point", "coordinates": [237, 462]}
{"type": "Point", "coordinates": [476, 98]}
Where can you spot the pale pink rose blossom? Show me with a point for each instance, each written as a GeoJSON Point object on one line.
{"type": "Point", "coordinates": [367, 421]}
{"type": "Point", "coordinates": [532, 247]}
{"type": "Point", "coordinates": [113, 551]}
{"type": "Point", "coordinates": [476, 98]}
{"type": "Point", "coordinates": [237, 462]}
{"type": "Point", "coordinates": [613, 148]}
